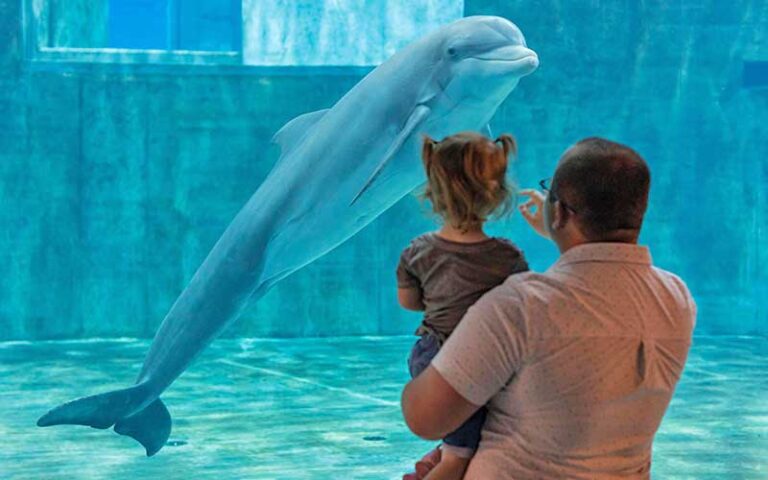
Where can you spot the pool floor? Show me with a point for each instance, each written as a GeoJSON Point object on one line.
{"type": "Point", "coordinates": [326, 408]}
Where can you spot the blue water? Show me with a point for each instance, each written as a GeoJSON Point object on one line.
{"type": "Point", "coordinates": [117, 179]}
{"type": "Point", "coordinates": [120, 169]}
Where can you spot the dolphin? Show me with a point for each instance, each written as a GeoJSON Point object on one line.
{"type": "Point", "coordinates": [338, 170]}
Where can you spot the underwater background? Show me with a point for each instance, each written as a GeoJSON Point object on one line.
{"type": "Point", "coordinates": [133, 131]}
{"type": "Point", "coordinates": [115, 181]}
{"type": "Point", "coordinates": [118, 175]}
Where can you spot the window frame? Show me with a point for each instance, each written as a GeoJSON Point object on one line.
{"type": "Point", "coordinates": [105, 61]}
{"type": "Point", "coordinates": [36, 35]}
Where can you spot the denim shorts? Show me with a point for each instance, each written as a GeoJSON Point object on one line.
{"type": "Point", "coordinates": [467, 436]}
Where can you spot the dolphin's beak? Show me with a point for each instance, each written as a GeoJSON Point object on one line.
{"type": "Point", "coordinates": [523, 58]}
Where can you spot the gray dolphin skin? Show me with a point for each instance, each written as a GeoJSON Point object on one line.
{"type": "Point", "coordinates": [339, 169]}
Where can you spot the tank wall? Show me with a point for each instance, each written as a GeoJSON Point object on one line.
{"type": "Point", "coordinates": [114, 186]}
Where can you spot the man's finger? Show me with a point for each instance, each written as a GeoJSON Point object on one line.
{"type": "Point", "coordinates": [526, 213]}
{"type": "Point", "coordinates": [534, 195]}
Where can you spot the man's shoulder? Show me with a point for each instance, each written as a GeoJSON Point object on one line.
{"type": "Point", "coordinates": [524, 283]}
{"type": "Point", "coordinates": [666, 274]}
{"type": "Point", "coordinates": [519, 288]}
{"type": "Point", "coordinates": [681, 294]}
{"type": "Point", "coordinates": [673, 281]}
{"type": "Point", "coordinates": [530, 293]}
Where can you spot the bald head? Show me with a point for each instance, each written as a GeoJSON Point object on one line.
{"type": "Point", "coordinates": [607, 184]}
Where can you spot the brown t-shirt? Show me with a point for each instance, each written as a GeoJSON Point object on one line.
{"type": "Point", "coordinates": [454, 275]}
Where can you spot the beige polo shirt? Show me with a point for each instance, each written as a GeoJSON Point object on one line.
{"type": "Point", "coordinates": [577, 365]}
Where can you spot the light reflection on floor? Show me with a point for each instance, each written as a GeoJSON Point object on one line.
{"type": "Point", "coordinates": [327, 408]}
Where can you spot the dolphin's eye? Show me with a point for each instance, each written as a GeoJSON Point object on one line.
{"type": "Point", "coordinates": [451, 52]}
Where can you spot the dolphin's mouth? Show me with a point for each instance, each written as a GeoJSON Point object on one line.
{"type": "Point", "coordinates": [512, 55]}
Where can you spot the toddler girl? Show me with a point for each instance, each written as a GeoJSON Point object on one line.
{"type": "Point", "coordinates": [444, 272]}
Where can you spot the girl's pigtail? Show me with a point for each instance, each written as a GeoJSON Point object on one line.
{"type": "Point", "coordinates": [508, 144]}
{"type": "Point", "coordinates": [427, 150]}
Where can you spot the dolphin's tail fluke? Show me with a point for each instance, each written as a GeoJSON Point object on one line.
{"type": "Point", "coordinates": [150, 426]}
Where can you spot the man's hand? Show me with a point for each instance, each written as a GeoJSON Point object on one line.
{"type": "Point", "coordinates": [535, 218]}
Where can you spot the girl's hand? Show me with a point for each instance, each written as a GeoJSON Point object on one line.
{"type": "Point", "coordinates": [535, 218]}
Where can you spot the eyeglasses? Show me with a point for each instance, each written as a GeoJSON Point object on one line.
{"type": "Point", "coordinates": [546, 185]}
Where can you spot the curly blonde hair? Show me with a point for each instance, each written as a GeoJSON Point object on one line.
{"type": "Point", "coordinates": [466, 177]}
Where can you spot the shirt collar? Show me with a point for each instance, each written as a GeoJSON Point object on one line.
{"type": "Point", "coordinates": [605, 252]}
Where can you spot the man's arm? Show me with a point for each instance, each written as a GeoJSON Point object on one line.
{"type": "Point", "coordinates": [479, 359]}
{"type": "Point", "coordinates": [432, 408]}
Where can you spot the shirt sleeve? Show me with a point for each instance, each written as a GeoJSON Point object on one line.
{"type": "Point", "coordinates": [686, 296]}
{"type": "Point", "coordinates": [694, 311]}
{"type": "Point", "coordinates": [517, 263]}
{"type": "Point", "coordinates": [406, 277]}
{"type": "Point", "coordinates": [482, 355]}
{"type": "Point", "coordinates": [520, 265]}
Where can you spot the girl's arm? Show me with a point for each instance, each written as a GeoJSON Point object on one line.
{"type": "Point", "coordinates": [409, 293]}
{"type": "Point", "coordinates": [410, 298]}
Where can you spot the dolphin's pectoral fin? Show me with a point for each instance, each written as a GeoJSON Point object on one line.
{"type": "Point", "coordinates": [488, 131]}
{"type": "Point", "coordinates": [293, 131]}
{"type": "Point", "coordinates": [150, 427]}
{"type": "Point", "coordinates": [417, 116]}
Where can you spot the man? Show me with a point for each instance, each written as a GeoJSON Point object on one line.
{"type": "Point", "coordinates": [577, 365]}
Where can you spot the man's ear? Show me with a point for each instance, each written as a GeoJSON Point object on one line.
{"type": "Point", "coordinates": [559, 216]}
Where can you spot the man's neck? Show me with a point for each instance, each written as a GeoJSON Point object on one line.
{"type": "Point", "coordinates": [565, 245]}
{"type": "Point", "coordinates": [568, 242]}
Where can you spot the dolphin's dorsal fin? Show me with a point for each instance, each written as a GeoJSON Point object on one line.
{"type": "Point", "coordinates": [293, 131]}
{"type": "Point", "coordinates": [414, 120]}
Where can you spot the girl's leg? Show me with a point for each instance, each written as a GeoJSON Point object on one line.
{"type": "Point", "coordinates": [458, 447]}
{"type": "Point", "coordinates": [451, 467]}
